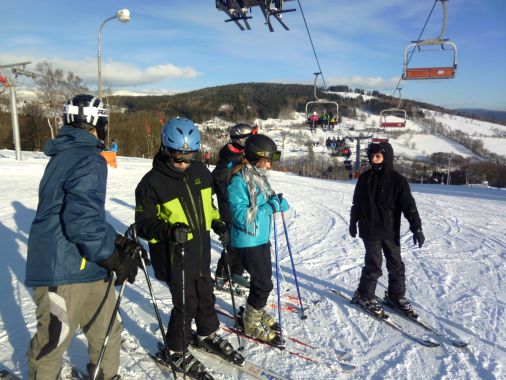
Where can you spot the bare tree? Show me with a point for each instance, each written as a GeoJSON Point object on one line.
{"type": "Point", "coordinates": [54, 88]}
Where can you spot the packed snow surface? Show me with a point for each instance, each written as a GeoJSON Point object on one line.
{"type": "Point", "coordinates": [456, 281]}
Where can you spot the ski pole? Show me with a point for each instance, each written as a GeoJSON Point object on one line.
{"type": "Point", "coordinates": [109, 329]}
{"type": "Point", "coordinates": [111, 323]}
{"type": "Point", "coordinates": [277, 274]}
{"type": "Point", "coordinates": [184, 311]}
{"type": "Point", "coordinates": [229, 274]}
{"type": "Point", "coordinates": [155, 306]}
{"type": "Point", "coordinates": [293, 265]}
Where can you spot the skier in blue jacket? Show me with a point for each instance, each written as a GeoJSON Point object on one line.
{"type": "Point", "coordinates": [72, 249]}
{"type": "Point", "coordinates": [252, 204]}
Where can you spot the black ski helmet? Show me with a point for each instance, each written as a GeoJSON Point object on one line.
{"type": "Point", "coordinates": [260, 146]}
{"type": "Point", "coordinates": [240, 132]}
{"type": "Point", "coordinates": [87, 111]}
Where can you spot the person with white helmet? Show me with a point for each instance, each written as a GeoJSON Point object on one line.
{"type": "Point", "coordinates": [230, 155]}
{"type": "Point", "coordinates": [72, 249]}
{"type": "Point", "coordinates": [175, 213]}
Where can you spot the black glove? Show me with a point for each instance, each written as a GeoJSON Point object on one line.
{"type": "Point", "coordinates": [178, 233]}
{"type": "Point", "coordinates": [419, 238]}
{"type": "Point", "coordinates": [353, 229]}
{"type": "Point", "coordinates": [222, 230]}
{"type": "Point", "coordinates": [125, 259]}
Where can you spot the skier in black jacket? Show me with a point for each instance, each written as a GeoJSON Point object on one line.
{"type": "Point", "coordinates": [380, 196]}
{"type": "Point", "coordinates": [230, 155]}
{"type": "Point", "coordinates": [175, 213]}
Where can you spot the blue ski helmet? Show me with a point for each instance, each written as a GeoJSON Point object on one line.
{"type": "Point", "coordinates": [180, 134]}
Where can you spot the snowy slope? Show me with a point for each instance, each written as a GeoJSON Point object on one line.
{"type": "Point", "coordinates": [457, 281]}
{"type": "Point", "coordinates": [412, 141]}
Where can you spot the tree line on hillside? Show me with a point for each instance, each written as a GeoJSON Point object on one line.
{"type": "Point", "coordinates": [136, 122]}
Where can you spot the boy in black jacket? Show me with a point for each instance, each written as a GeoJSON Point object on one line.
{"type": "Point", "coordinates": [380, 196]}
{"type": "Point", "coordinates": [175, 213]}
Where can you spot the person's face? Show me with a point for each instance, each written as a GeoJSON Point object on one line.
{"type": "Point", "coordinates": [182, 161]}
{"type": "Point", "coordinates": [264, 163]}
{"type": "Point", "coordinates": [376, 158]}
{"type": "Point", "coordinates": [183, 166]}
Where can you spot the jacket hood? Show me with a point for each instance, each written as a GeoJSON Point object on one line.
{"type": "Point", "coordinates": [388, 155]}
{"type": "Point", "coordinates": [70, 137]}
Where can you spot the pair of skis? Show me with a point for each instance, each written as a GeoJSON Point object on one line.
{"type": "Point", "coordinates": [296, 348]}
{"type": "Point", "coordinates": [442, 337]}
{"type": "Point", "coordinates": [247, 367]}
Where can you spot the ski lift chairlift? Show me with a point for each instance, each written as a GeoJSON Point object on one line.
{"type": "Point", "coordinates": [319, 101]}
{"type": "Point", "coordinates": [393, 117]}
{"type": "Point", "coordinates": [447, 72]}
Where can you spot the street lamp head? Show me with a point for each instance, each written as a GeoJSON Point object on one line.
{"type": "Point", "coordinates": [123, 15]}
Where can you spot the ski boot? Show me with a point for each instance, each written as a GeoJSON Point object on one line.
{"type": "Point", "coordinates": [370, 305]}
{"type": "Point", "coordinates": [267, 320]}
{"type": "Point", "coordinates": [254, 327]}
{"type": "Point", "coordinates": [217, 345]}
{"type": "Point", "coordinates": [193, 368]}
{"type": "Point", "coordinates": [402, 305]}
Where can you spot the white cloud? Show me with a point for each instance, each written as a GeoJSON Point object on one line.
{"type": "Point", "coordinates": [124, 74]}
{"type": "Point", "coordinates": [113, 73]}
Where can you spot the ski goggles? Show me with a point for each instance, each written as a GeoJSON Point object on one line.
{"type": "Point", "coordinates": [273, 156]}
{"type": "Point", "coordinates": [183, 157]}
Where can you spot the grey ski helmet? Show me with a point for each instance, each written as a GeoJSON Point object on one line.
{"type": "Point", "coordinates": [240, 132]}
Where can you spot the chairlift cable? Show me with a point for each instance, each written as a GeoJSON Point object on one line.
{"type": "Point", "coordinates": [312, 45]}
{"type": "Point", "coordinates": [418, 39]}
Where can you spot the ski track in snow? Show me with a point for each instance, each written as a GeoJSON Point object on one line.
{"type": "Point", "coordinates": [456, 281]}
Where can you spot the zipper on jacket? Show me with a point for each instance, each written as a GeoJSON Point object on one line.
{"type": "Point", "coordinates": [198, 221]}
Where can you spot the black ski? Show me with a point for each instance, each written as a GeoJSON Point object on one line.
{"type": "Point", "coordinates": [8, 375]}
{"type": "Point", "coordinates": [388, 321]}
{"type": "Point", "coordinates": [418, 321]}
{"type": "Point", "coordinates": [246, 367]}
{"type": "Point", "coordinates": [234, 357]}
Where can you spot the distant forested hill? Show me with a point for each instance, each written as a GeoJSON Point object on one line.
{"type": "Point", "coordinates": [487, 115]}
{"type": "Point", "coordinates": [247, 101]}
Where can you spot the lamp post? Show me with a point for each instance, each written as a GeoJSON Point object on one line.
{"type": "Point", "coordinates": [122, 15]}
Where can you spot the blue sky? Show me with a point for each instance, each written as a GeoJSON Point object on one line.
{"type": "Point", "coordinates": [180, 45]}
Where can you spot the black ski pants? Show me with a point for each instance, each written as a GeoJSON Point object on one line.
{"type": "Point", "coordinates": [257, 261]}
{"type": "Point", "coordinates": [234, 260]}
{"type": "Point", "coordinates": [199, 305]}
{"type": "Point", "coordinates": [374, 250]}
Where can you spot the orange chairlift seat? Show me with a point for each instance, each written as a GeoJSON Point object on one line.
{"type": "Point", "coordinates": [445, 72]}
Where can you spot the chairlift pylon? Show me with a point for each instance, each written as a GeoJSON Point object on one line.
{"type": "Point", "coordinates": [445, 72]}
